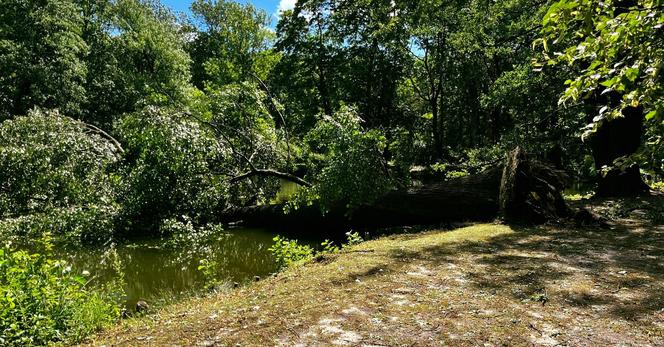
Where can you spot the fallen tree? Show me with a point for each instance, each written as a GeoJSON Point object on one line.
{"type": "Point", "coordinates": [520, 190]}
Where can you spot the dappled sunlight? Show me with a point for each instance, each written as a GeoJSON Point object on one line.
{"type": "Point", "coordinates": [504, 158]}
{"type": "Point", "coordinates": [484, 282]}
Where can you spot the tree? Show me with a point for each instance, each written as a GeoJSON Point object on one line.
{"type": "Point", "coordinates": [231, 43]}
{"type": "Point", "coordinates": [472, 79]}
{"type": "Point", "coordinates": [41, 56]}
{"type": "Point", "coordinates": [224, 152]}
{"type": "Point", "coordinates": [619, 47]}
{"type": "Point", "coordinates": [342, 52]}
{"type": "Point", "coordinates": [169, 169]}
{"type": "Point", "coordinates": [311, 58]}
{"type": "Point", "coordinates": [55, 176]}
{"type": "Point", "coordinates": [103, 85]}
{"type": "Point", "coordinates": [149, 49]}
{"type": "Point", "coordinates": [136, 57]}
{"type": "Point", "coordinates": [243, 120]}
{"type": "Point", "coordinates": [349, 167]}
{"type": "Point", "coordinates": [431, 52]}
{"type": "Point", "coordinates": [91, 59]}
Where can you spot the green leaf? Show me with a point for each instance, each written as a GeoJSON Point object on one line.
{"type": "Point", "coordinates": [610, 82]}
{"type": "Point", "coordinates": [79, 279]}
{"type": "Point", "coordinates": [632, 74]}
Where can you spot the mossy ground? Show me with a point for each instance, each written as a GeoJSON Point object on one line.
{"type": "Point", "coordinates": [485, 284]}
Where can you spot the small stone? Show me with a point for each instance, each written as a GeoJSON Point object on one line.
{"type": "Point", "coordinates": [257, 278]}
{"type": "Point", "coordinates": [142, 306]}
{"type": "Point", "coordinates": [125, 314]}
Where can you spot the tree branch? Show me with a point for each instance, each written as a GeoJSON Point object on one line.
{"type": "Point", "coordinates": [417, 89]}
{"type": "Point", "coordinates": [271, 173]}
{"type": "Point", "coordinates": [253, 171]}
{"type": "Point", "coordinates": [225, 138]}
{"type": "Point", "coordinates": [104, 135]}
{"type": "Point", "coordinates": [276, 109]}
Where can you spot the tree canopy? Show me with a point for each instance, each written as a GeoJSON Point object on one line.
{"type": "Point", "coordinates": [161, 115]}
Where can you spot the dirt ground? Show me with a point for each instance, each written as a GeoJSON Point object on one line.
{"type": "Point", "coordinates": [487, 285]}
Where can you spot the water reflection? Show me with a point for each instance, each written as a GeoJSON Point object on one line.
{"type": "Point", "coordinates": [155, 267]}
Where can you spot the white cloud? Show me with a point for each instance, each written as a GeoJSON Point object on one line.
{"type": "Point", "coordinates": [285, 5]}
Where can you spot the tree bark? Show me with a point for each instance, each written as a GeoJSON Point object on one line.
{"type": "Point", "coordinates": [471, 198]}
{"type": "Point", "coordinates": [530, 191]}
{"type": "Point", "coordinates": [614, 139]}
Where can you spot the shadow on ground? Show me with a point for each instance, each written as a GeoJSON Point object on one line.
{"type": "Point", "coordinates": [621, 270]}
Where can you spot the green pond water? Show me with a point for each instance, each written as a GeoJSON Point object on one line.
{"type": "Point", "coordinates": [158, 269]}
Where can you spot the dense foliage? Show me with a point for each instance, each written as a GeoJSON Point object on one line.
{"type": "Point", "coordinates": [41, 57]}
{"type": "Point", "coordinates": [54, 176]}
{"type": "Point", "coordinates": [287, 252]}
{"type": "Point", "coordinates": [345, 158]}
{"type": "Point", "coordinates": [42, 301]}
{"type": "Point", "coordinates": [620, 48]}
{"type": "Point", "coordinates": [161, 116]}
{"type": "Point", "coordinates": [170, 163]}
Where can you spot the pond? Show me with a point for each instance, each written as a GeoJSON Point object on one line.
{"type": "Point", "coordinates": [158, 269]}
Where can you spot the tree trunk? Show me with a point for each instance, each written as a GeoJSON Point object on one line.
{"type": "Point", "coordinates": [530, 191]}
{"type": "Point", "coordinates": [471, 198]}
{"type": "Point", "coordinates": [437, 138]}
{"type": "Point", "coordinates": [525, 190]}
{"type": "Point", "coordinates": [468, 198]}
{"type": "Point", "coordinates": [615, 139]}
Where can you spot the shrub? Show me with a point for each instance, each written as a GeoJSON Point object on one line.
{"type": "Point", "coordinates": [92, 224]}
{"type": "Point", "coordinates": [456, 174]}
{"type": "Point", "coordinates": [183, 234]}
{"type": "Point", "coordinates": [658, 186]}
{"type": "Point", "coordinates": [42, 301]}
{"type": "Point", "coordinates": [287, 252]}
{"type": "Point", "coordinates": [209, 269]}
{"type": "Point", "coordinates": [353, 238]}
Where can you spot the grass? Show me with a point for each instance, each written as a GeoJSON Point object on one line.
{"type": "Point", "coordinates": [480, 284]}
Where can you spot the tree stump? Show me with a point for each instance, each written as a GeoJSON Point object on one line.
{"type": "Point", "coordinates": [530, 191]}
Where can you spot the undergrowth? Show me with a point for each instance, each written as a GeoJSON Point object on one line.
{"type": "Point", "coordinates": [287, 252]}
{"type": "Point", "coordinates": [42, 301]}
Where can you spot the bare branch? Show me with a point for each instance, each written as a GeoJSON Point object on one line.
{"type": "Point", "coordinates": [276, 108]}
{"type": "Point", "coordinates": [253, 171]}
{"type": "Point", "coordinates": [104, 135]}
{"type": "Point", "coordinates": [271, 173]}
{"type": "Point", "coordinates": [224, 138]}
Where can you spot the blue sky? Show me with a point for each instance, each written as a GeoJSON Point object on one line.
{"type": "Point", "coordinates": [270, 6]}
